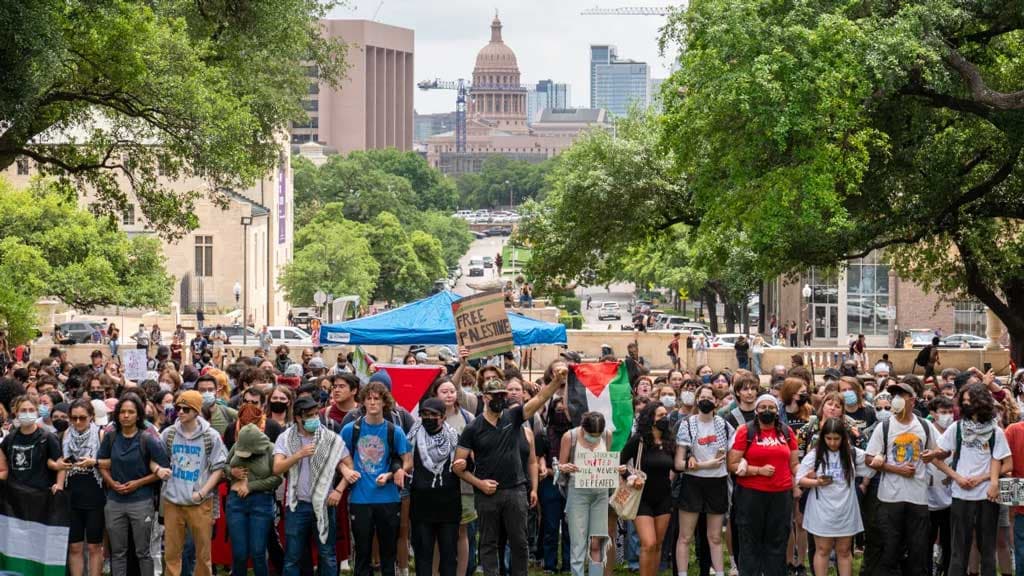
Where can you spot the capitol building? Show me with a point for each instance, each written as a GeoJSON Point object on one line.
{"type": "Point", "coordinates": [496, 117]}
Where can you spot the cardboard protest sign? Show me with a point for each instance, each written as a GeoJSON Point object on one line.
{"type": "Point", "coordinates": [596, 469]}
{"type": "Point", "coordinates": [134, 360]}
{"type": "Point", "coordinates": [1011, 491]}
{"type": "Point", "coordinates": [481, 324]}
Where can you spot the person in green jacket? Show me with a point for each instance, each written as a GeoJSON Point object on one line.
{"type": "Point", "coordinates": [250, 506]}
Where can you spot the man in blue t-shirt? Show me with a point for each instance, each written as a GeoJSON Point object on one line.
{"type": "Point", "coordinates": [378, 470]}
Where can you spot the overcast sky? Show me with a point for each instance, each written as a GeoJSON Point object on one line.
{"type": "Point", "coordinates": [549, 37]}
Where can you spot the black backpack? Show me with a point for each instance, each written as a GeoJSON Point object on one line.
{"type": "Point", "coordinates": [923, 356]}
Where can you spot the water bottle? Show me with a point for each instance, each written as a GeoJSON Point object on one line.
{"type": "Point", "coordinates": [555, 473]}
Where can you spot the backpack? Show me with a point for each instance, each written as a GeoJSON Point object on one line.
{"type": "Point", "coordinates": [923, 356]}
{"type": "Point", "coordinates": [959, 442]}
{"type": "Point", "coordinates": [172, 432]}
{"type": "Point", "coordinates": [924, 425]}
{"type": "Point", "coordinates": [394, 458]}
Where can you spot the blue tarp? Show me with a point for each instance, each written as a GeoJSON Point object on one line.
{"type": "Point", "coordinates": [429, 321]}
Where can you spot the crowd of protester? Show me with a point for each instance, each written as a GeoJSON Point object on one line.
{"type": "Point", "coordinates": [310, 465]}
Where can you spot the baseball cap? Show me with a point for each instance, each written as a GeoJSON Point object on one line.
{"type": "Point", "coordinates": [304, 404]}
{"type": "Point", "coordinates": [900, 388]}
{"type": "Point", "coordinates": [433, 405]}
{"type": "Point", "coordinates": [293, 370]}
{"type": "Point", "coordinates": [317, 363]}
{"type": "Point", "coordinates": [494, 386]}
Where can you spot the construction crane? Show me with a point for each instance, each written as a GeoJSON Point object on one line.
{"type": "Point", "coordinates": [462, 89]}
{"type": "Point", "coordinates": [628, 11]}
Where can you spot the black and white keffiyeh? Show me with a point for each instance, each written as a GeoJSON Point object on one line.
{"type": "Point", "coordinates": [83, 445]}
{"type": "Point", "coordinates": [436, 452]}
{"type": "Point", "coordinates": [329, 451]}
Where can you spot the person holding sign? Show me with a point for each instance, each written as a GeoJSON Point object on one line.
{"type": "Point", "coordinates": [586, 509]}
{"type": "Point", "coordinates": [701, 445]}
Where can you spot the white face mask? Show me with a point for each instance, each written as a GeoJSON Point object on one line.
{"type": "Point", "coordinates": [944, 420]}
{"type": "Point", "coordinates": [668, 402]}
{"type": "Point", "coordinates": [26, 418]}
{"type": "Point", "coordinates": [883, 415]}
{"type": "Point", "coordinates": [687, 398]}
{"type": "Point", "coordinates": [898, 404]}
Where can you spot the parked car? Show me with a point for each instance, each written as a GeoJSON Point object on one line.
{"type": "Point", "coordinates": [725, 340]}
{"type": "Point", "coordinates": [476, 267]}
{"type": "Point", "coordinates": [234, 332]}
{"type": "Point", "coordinates": [488, 262]}
{"type": "Point", "coordinates": [498, 231]}
{"type": "Point", "coordinates": [920, 337]}
{"type": "Point", "coordinates": [79, 332]}
{"type": "Point", "coordinates": [963, 341]}
{"type": "Point", "coordinates": [455, 272]}
{"type": "Point", "coordinates": [289, 335]}
{"type": "Point", "coordinates": [478, 235]}
{"type": "Point", "coordinates": [609, 311]}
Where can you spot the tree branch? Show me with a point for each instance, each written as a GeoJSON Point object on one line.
{"type": "Point", "coordinates": [980, 92]}
{"type": "Point", "coordinates": [977, 286]}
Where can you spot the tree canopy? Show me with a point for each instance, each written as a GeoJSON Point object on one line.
{"type": "Point", "coordinates": [51, 247]}
{"type": "Point", "coordinates": [113, 91]}
{"type": "Point", "coordinates": [825, 131]}
{"type": "Point", "coordinates": [501, 178]}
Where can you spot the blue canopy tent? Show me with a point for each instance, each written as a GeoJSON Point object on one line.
{"type": "Point", "coordinates": [430, 321]}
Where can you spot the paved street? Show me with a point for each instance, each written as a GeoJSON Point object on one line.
{"type": "Point", "coordinates": [490, 246]}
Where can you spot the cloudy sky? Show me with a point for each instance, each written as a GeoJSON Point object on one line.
{"type": "Point", "coordinates": [549, 37]}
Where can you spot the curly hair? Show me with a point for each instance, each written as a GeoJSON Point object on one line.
{"type": "Point", "coordinates": [645, 428]}
{"type": "Point", "coordinates": [983, 406]}
{"type": "Point", "coordinates": [378, 388]}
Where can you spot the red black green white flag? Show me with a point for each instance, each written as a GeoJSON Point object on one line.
{"type": "Point", "coordinates": [603, 387]}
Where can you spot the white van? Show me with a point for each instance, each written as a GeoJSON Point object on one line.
{"type": "Point", "coordinates": [289, 335]}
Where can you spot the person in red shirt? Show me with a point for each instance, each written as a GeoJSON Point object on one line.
{"type": "Point", "coordinates": [1015, 438]}
{"type": "Point", "coordinates": [764, 458]}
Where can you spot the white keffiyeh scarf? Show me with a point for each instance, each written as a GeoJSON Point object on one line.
{"type": "Point", "coordinates": [437, 451]}
{"type": "Point", "coordinates": [330, 449]}
{"type": "Point", "coordinates": [83, 445]}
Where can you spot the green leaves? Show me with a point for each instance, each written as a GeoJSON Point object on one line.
{"type": "Point", "coordinates": [102, 93]}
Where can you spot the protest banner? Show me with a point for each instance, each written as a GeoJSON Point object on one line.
{"type": "Point", "coordinates": [481, 324]}
{"type": "Point", "coordinates": [596, 469]}
{"type": "Point", "coordinates": [134, 360]}
{"type": "Point", "coordinates": [1011, 491]}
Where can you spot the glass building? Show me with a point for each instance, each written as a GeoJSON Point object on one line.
{"type": "Point", "coordinates": [616, 84]}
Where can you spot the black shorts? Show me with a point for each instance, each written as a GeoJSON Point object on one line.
{"type": "Point", "coordinates": [654, 506]}
{"type": "Point", "coordinates": [704, 495]}
{"type": "Point", "coordinates": [86, 525]}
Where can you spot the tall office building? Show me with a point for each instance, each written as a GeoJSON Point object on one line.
{"type": "Point", "coordinates": [427, 125]}
{"type": "Point", "coordinates": [546, 95]}
{"type": "Point", "coordinates": [373, 106]}
{"type": "Point", "coordinates": [617, 84]}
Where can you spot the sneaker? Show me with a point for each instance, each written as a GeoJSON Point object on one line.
{"type": "Point", "coordinates": [733, 571]}
{"type": "Point", "coordinates": [343, 566]}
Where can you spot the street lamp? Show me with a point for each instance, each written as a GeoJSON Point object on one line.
{"type": "Point", "coordinates": [238, 292]}
{"type": "Point", "coordinates": [246, 222]}
{"type": "Point", "coordinates": [807, 292]}
{"type": "Point", "coordinates": [508, 185]}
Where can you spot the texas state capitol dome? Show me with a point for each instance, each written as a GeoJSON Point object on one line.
{"type": "Point", "coordinates": [497, 97]}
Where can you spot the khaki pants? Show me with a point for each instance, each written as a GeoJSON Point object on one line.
{"type": "Point", "coordinates": [198, 519]}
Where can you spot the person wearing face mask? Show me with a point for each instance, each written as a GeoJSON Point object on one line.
{"type": "Point", "coordinates": [250, 503]}
{"type": "Point", "coordinates": [198, 458]}
{"type": "Point", "coordinates": [587, 508]}
{"type": "Point", "coordinates": [940, 490]}
{"type": "Point", "coordinates": [701, 445]}
{"type": "Point", "coordinates": [861, 414]}
{"type": "Point", "coordinates": [436, 500]}
{"type": "Point", "coordinates": [654, 445]}
{"type": "Point", "coordinates": [686, 403]}
{"type": "Point", "coordinates": [499, 478]}
{"type": "Point", "coordinates": [797, 407]}
{"type": "Point", "coordinates": [34, 451]}
{"type": "Point", "coordinates": [900, 448]}
{"type": "Point", "coordinates": [217, 414]}
{"type": "Point", "coordinates": [85, 491]}
{"type": "Point", "coordinates": [667, 397]}
{"type": "Point", "coordinates": [764, 458]}
{"type": "Point", "coordinates": [978, 449]}
{"type": "Point", "coordinates": [310, 454]}
{"type": "Point", "coordinates": [60, 419]}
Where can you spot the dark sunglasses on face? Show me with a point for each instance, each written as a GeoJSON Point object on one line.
{"type": "Point", "coordinates": [253, 402]}
{"type": "Point", "coordinates": [185, 409]}
{"type": "Point", "coordinates": [79, 418]}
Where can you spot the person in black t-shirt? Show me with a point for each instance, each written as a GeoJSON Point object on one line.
{"type": "Point", "coordinates": [498, 478]}
{"type": "Point", "coordinates": [31, 456]}
{"type": "Point", "coordinates": [85, 490]}
{"type": "Point", "coordinates": [436, 498]}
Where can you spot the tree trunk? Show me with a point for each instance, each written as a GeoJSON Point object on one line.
{"type": "Point", "coordinates": [730, 317]}
{"type": "Point", "coordinates": [710, 302]}
{"type": "Point", "coordinates": [1013, 317]}
{"type": "Point", "coordinates": [761, 308]}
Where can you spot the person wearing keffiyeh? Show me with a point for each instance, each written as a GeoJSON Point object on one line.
{"type": "Point", "coordinates": [436, 495]}
{"type": "Point", "coordinates": [310, 455]}
{"type": "Point", "coordinates": [84, 486]}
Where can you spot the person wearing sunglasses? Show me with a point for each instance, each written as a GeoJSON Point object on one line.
{"type": "Point", "coordinates": [85, 490]}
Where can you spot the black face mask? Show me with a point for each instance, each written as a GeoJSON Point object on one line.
{"type": "Point", "coordinates": [497, 404]}
{"type": "Point", "coordinates": [967, 411]}
{"type": "Point", "coordinates": [96, 394]}
{"type": "Point", "coordinates": [767, 417]}
{"type": "Point", "coordinates": [802, 399]}
{"type": "Point", "coordinates": [705, 406]}
{"type": "Point", "coordinates": [431, 425]}
{"type": "Point", "coordinates": [278, 407]}
{"type": "Point", "coordinates": [60, 425]}
{"type": "Point", "coordinates": [662, 425]}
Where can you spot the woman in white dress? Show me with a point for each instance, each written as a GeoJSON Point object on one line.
{"type": "Point", "coordinates": [828, 473]}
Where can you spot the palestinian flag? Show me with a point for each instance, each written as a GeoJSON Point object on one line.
{"type": "Point", "coordinates": [363, 364]}
{"type": "Point", "coordinates": [33, 531]}
{"type": "Point", "coordinates": [410, 382]}
{"type": "Point", "coordinates": [603, 387]}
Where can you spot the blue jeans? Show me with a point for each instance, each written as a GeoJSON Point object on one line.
{"type": "Point", "coordinates": [299, 527]}
{"type": "Point", "coordinates": [249, 521]}
{"type": "Point", "coordinates": [757, 363]}
{"type": "Point", "coordinates": [631, 546]}
{"type": "Point", "coordinates": [552, 510]}
{"type": "Point", "coordinates": [587, 513]}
